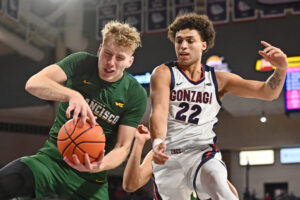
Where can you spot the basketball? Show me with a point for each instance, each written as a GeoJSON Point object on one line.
{"type": "Point", "coordinates": [73, 139]}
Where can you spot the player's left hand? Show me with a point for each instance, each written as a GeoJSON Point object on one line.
{"type": "Point", "coordinates": [142, 134]}
{"type": "Point", "coordinates": [88, 166]}
{"type": "Point", "coordinates": [159, 156]}
{"type": "Point", "coordinates": [274, 55]}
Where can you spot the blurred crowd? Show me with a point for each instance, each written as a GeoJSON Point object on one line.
{"type": "Point", "coordinates": [279, 194]}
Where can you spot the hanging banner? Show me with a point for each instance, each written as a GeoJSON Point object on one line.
{"type": "Point", "coordinates": [296, 10]}
{"type": "Point", "coordinates": [217, 11]}
{"type": "Point", "coordinates": [106, 12]}
{"type": "Point", "coordinates": [272, 13]}
{"type": "Point", "coordinates": [12, 9]}
{"type": "Point", "coordinates": [1, 6]}
{"type": "Point", "coordinates": [157, 15]}
{"type": "Point", "coordinates": [132, 13]}
{"type": "Point", "coordinates": [242, 11]}
{"type": "Point", "coordinates": [183, 6]}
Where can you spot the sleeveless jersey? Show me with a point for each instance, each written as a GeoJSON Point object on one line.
{"type": "Point", "coordinates": [193, 108]}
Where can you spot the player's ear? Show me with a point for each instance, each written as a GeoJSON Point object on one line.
{"type": "Point", "coordinates": [99, 49]}
{"type": "Point", "coordinates": [204, 46]}
{"type": "Point", "coordinates": [131, 59]}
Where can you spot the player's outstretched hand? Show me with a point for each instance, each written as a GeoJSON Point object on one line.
{"type": "Point", "coordinates": [142, 134]}
{"type": "Point", "coordinates": [88, 166]}
{"type": "Point", "coordinates": [274, 55]}
{"type": "Point", "coordinates": [80, 106]}
{"type": "Point", "coordinates": [159, 157]}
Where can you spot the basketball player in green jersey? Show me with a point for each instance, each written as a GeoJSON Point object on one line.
{"type": "Point", "coordinates": [137, 175]}
{"type": "Point", "coordinates": [88, 86]}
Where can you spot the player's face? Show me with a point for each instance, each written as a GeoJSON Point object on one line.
{"type": "Point", "coordinates": [189, 47]}
{"type": "Point", "coordinates": [113, 60]}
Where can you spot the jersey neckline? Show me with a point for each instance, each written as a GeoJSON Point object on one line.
{"type": "Point", "coordinates": [190, 80]}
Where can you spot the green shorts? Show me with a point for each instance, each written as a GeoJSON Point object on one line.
{"type": "Point", "coordinates": [56, 177]}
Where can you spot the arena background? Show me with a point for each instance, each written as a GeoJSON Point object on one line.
{"type": "Point", "coordinates": [43, 32]}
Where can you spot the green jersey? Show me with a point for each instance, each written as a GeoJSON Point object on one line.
{"type": "Point", "coordinates": [114, 103]}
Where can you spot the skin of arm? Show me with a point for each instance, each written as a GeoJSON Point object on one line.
{"type": "Point", "coordinates": [268, 90]}
{"type": "Point", "coordinates": [159, 95]}
{"type": "Point", "coordinates": [49, 83]}
{"type": "Point", "coordinates": [113, 159]}
{"type": "Point", "coordinates": [233, 189]}
{"type": "Point", "coordinates": [136, 175]}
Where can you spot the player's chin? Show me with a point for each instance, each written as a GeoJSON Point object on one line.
{"type": "Point", "coordinates": [184, 62]}
{"type": "Point", "coordinates": [109, 78]}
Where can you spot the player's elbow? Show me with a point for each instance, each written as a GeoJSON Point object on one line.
{"type": "Point", "coordinates": [271, 97]}
{"type": "Point", "coordinates": [275, 96]}
{"type": "Point", "coordinates": [29, 87]}
{"type": "Point", "coordinates": [268, 95]}
{"type": "Point", "coordinates": [129, 187]}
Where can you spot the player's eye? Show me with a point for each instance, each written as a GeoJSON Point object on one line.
{"type": "Point", "coordinates": [107, 53]}
{"type": "Point", "coordinates": [120, 58]}
{"type": "Point", "coordinates": [179, 41]}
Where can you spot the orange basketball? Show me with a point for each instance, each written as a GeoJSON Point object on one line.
{"type": "Point", "coordinates": [73, 139]}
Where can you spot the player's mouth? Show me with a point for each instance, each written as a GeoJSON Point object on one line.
{"type": "Point", "coordinates": [184, 55]}
{"type": "Point", "coordinates": [109, 71]}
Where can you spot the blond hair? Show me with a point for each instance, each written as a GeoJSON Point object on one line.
{"type": "Point", "coordinates": [122, 33]}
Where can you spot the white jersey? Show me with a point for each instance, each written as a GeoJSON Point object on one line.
{"type": "Point", "coordinates": [193, 109]}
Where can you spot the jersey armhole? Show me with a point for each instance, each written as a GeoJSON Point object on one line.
{"type": "Point", "coordinates": [216, 84]}
{"type": "Point", "coordinates": [172, 78]}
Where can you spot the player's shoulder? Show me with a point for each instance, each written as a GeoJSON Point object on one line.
{"type": "Point", "coordinates": [83, 55]}
{"type": "Point", "coordinates": [129, 79]}
{"type": "Point", "coordinates": [132, 83]}
{"type": "Point", "coordinates": [163, 69]}
{"type": "Point", "coordinates": [78, 58]}
{"type": "Point", "coordinates": [208, 68]}
{"type": "Point", "coordinates": [224, 78]}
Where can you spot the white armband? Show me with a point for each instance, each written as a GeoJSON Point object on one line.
{"type": "Point", "coordinates": [156, 142]}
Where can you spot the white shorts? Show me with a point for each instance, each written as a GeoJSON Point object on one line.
{"type": "Point", "coordinates": [176, 179]}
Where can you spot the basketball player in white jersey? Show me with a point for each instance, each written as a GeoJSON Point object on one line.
{"type": "Point", "coordinates": [136, 175]}
{"type": "Point", "coordinates": [185, 99]}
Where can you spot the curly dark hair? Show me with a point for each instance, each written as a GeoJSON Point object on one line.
{"type": "Point", "coordinates": [201, 23]}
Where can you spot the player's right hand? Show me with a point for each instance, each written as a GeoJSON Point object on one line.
{"type": "Point", "coordinates": [159, 157]}
{"type": "Point", "coordinates": [80, 106]}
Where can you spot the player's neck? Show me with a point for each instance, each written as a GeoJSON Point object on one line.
{"type": "Point", "coordinates": [193, 71]}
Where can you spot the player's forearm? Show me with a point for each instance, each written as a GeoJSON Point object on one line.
{"type": "Point", "coordinates": [132, 172]}
{"type": "Point", "coordinates": [274, 84]}
{"type": "Point", "coordinates": [114, 158]}
{"type": "Point", "coordinates": [45, 88]}
{"type": "Point", "coordinates": [158, 126]}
